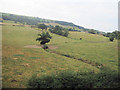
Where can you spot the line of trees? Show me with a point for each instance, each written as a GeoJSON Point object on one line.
{"type": "Point", "coordinates": [113, 35]}
{"type": "Point", "coordinates": [59, 30]}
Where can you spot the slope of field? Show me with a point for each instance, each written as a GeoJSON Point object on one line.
{"type": "Point", "coordinates": [35, 20]}
{"type": "Point", "coordinates": [20, 63]}
{"type": "Point", "coordinates": [92, 47]}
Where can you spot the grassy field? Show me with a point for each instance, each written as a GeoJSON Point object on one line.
{"type": "Point", "coordinates": [20, 63]}
{"type": "Point", "coordinates": [92, 47]}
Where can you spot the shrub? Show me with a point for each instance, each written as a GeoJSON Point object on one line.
{"type": "Point", "coordinates": [69, 79]}
{"type": "Point", "coordinates": [111, 39]}
{"type": "Point", "coordinates": [61, 80]}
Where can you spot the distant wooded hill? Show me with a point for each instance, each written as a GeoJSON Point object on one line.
{"type": "Point", "coordinates": [35, 20]}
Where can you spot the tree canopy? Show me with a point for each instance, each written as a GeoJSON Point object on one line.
{"type": "Point", "coordinates": [42, 26]}
{"type": "Point", "coordinates": [59, 30]}
{"type": "Point", "coordinates": [44, 38]}
{"type": "Point", "coordinates": [115, 34]}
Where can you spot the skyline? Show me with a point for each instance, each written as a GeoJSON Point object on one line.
{"type": "Point", "coordinates": [100, 15]}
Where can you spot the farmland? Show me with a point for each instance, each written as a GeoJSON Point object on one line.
{"type": "Point", "coordinates": [72, 54]}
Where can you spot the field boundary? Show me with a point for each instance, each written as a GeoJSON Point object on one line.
{"type": "Point", "coordinates": [99, 66]}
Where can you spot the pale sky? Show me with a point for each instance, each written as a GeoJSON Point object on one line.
{"type": "Point", "coordinates": [95, 14]}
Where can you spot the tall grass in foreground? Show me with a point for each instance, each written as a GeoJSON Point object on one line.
{"type": "Point", "coordinates": [69, 79]}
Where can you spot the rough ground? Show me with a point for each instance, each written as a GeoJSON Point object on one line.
{"type": "Point", "coordinates": [40, 46]}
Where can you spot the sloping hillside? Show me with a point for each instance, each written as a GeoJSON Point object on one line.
{"type": "Point", "coordinates": [35, 20]}
{"type": "Point", "coordinates": [93, 56]}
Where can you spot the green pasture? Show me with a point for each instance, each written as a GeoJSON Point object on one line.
{"type": "Point", "coordinates": [92, 47]}
{"type": "Point", "coordinates": [20, 63]}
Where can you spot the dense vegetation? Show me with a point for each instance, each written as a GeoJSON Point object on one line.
{"type": "Point", "coordinates": [113, 35]}
{"type": "Point", "coordinates": [70, 79]}
{"type": "Point", "coordinates": [42, 26]}
{"type": "Point", "coordinates": [59, 30]}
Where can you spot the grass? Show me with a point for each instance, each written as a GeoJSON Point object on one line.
{"type": "Point", "coordinates": [92, 47]}
{"type": "Point", "coordinates": [20, 63]}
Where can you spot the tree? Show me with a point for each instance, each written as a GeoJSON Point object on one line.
{"type": "Point", "coordinates": [44, 38]}
{"type": "Point", "coordinates": [42, 26]}
{"type": "Point", "coordinates": [108, 34]}
{"type": "Point", "coordinates": [92, 31]}
{"type": "Point", "coordinates": [59, 30]}
{"type": "Point", "coordinates": [116, 34]}
{"type": "Point", "coordinates": [111, 38]}
{"type": "Point", "coordinates": [66, 33]}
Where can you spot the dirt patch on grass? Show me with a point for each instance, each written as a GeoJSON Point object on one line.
{"type": "Point", "coordinates": [33, 46]}
{"type": "Point", "coordinates": [52, 47]}
{"type": "Point", "coordinates": [40, 46]}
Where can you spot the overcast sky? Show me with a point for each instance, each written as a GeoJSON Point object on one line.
{"type": "Point", "coordinates": [96, 14]}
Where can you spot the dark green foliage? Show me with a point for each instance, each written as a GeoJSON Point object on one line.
{"type": "Point", "coordinates": [50, 26]}
{"type": "Point", "coordinates": [107, 78]}
{"type": "Point", "coordinates": [91, 31]}
{"type": "Point", "coordinates": [60, 80]}
{"type": "Point", "coordinates": [59, 30]}
{"type": "Point", "coordinates": [111, 38]}
{"type": "Point", "coordinates": [70, 29]}
{"type": "Point", "coordinates": [42, 26]}
{"type": "Point", "coordinates": [45, 41]}
{"type": "Point", "coordinates": [65, 33]}
{"type": "Point", "coordinates": [114, 34]}
{"type": "Point", "coordinates": [108, 34]}
{"type": "Point", "coordinates": [44, 38]}
{"type": "Point", "coordinates": [68, 79]}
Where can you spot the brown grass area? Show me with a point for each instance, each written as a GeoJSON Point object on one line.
{"type": "Point", "coordinates": [40, 46]}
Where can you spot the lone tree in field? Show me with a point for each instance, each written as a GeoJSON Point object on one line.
{"type": "Point", "coordinates": [111, 38]}
{"type": "Point", "coordinates": [44, 38]}
{"type": "Point", "coordinates": [42, 26]}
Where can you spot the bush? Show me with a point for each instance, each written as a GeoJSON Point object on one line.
{"type": "Point", "coordinates": [62, 80]}
{"type": "Point", "coordinates": [111, 39]}
{"type": "Point", "coordinates": [69, 79]}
